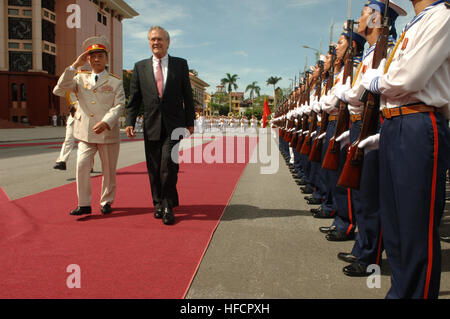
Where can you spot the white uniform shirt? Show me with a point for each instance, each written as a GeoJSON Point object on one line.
{"type": "Point", "coordinates": [420, 70]}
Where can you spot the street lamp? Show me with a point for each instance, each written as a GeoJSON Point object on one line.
{"type": "Point", "coordinates": [317, 51]}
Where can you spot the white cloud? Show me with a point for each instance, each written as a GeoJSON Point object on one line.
{"type": "Point", "coordinates": [241, 53]}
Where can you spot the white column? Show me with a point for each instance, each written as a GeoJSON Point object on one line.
{"type": "Point", "coordinates": [37, 35]}
{"type": "Point", "coordinates": [3, 50]}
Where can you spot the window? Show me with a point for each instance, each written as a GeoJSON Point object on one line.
{"type": "Point", "coordinates": [28, 46]}
{"type": "Point", "coordinates": [19, 28]}
{"type": "Point", "coordinates": [19, 3]}
{"type": "Point", "coordinates": [13, 45]}
{"type": "Point", "coordinates": [48, 31]}
{"type": "Point", "coordinates": [23, 92]}
{"type": "Point", "coordinates": [13, 12]}
{"type": "Point", "coordinates": [14, 93]}
{"type": "Point", "coordinates": [27, 13]}
{"type": "Point", "coordinates": [20, 61]}
{"type": "Point", "coordinates": [104, 20]}
{"type": "Point", "coordinates": [99, 17]}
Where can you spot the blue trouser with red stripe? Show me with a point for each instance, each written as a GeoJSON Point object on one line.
{"type": "Point", "coordinates": [327, 204]}
{"type": "Point", "coordinates": [414, 157]}
{"type": "Point", "coordinates": [345, 220]}
{"type": "Point", "coordinates": [366, 207]}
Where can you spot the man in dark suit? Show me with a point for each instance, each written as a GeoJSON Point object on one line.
{"type": "Point", "coordinates": [162, 84]}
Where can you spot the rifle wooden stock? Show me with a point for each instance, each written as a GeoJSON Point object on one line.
{"type": "Point", "coordinates": [316, 151]}
{"type": "Point", "coordinates": [331, 159]}
{"type": "Point", "coordinates": [351, 174]}
{"type": "Point", "coordinates": [307, 144]}
{"type": "Point", "coordinates": [301, 137]}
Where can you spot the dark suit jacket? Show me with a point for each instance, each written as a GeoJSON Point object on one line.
{"type": "Point", "coordinates": [175, 109]}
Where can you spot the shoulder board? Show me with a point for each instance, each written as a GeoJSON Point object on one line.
{"type": "Point", "coordinates": [447, 4]}
{"type": "Point", "coordinates": [116, 76]}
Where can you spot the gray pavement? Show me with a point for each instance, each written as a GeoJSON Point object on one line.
{"type": "Point", "coordinates": [267, 245]}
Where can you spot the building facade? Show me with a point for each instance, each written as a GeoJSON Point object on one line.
{"type": "Point", "coordinates": [39, 39]}
{"type": "Point", "coordinates": [199, 92]}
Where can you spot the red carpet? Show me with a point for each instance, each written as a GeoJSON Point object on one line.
{"type": "Point", "coordinates": [127, 254]}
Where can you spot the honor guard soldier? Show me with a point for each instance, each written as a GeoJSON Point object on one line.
{"type": "Point", "coordinates": [101, 101]}
{"type": "Point", "coordinates": [368, 245]}
{"type": "Point", "coordinates": [414, 147]}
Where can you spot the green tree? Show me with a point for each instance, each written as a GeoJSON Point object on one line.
{"type": "Point", "coordinates": [273, 80]}
{"type": "Point", "coordinates": [230, 82]}
{"type": "Point", "coordinates": [253, 88]}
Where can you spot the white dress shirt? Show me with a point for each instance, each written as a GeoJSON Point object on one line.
{"type": "Point", "coordinates": [164, 66]}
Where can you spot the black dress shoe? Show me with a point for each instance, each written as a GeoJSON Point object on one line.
{"type": "Point", "coordinates": [322, 215]}
{"type": "Point", "coordinates": [327, 229]}
{"type": "Point", "coordinates": [306, 190]}
{"type": "Point", "coordinates": [168, 217]}
{"type": "Point", "coordinates": [339, 236]}
{"type": "Point", "coordinates": [313, 201]}
{"type": "Point", "coordinates": [315, 210]}
{"type": "Point", "coordinates": [158, 212]}
{"type": "Point", "coordinates": [60, 165]}
{"type": "Point", "coordinates": [348, 258]}
{"type": "Point", "coordinates": [355, 269]}
{"type": "Point", "coordinates": [301, 182]}
{"type": "Point", "coordinates": [84, 210]}
{"type": "Point", "coordinates": [106, 209]}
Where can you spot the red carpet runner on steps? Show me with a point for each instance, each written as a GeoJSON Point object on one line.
{"type": "Point", "coordinates": [127, 254]}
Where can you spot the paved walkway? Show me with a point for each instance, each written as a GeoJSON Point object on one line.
{"type": "Point", "coordinates": [267, 245]}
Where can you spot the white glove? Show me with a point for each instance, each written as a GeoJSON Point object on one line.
{"type": "Point", "coordinates": [344, 138]}
{"type": "Point", "coordinates": [370, 78]}
{"type": "Point", "coordinates": [313, 134]}
{"type": "Point", "coordinates": [316, 105]}
{"type": "Point", "coordinates": [370, 143]}
{"type": "Point", "coordinates": [341, 89]}
{"type": "Point", "coordinates": [321, 136]}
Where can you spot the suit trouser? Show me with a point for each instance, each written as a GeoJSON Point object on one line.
{"type": "Point", "coordinates": [162, 169]}
{"type": "Point", "coordinates": [414, 157]}
{"type": "Point", "coordinates": [366, 207]}
{"type": "Point", "coordinates": [109, 155]}
{"type": "Point", "coordinates": [68, 145]}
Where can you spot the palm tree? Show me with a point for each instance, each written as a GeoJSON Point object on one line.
{"type": "Point", "coordinates": [230, 82]}
{"type": "Point", "coordinates": [273, 80]}
{"type": "Point", "coordinates": [253, 88]}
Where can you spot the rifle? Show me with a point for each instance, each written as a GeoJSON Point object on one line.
{"type": "Point", "coordinates": [316, 151]}
{"type": "Point", "coordinates": [351, 174]}
{"type": "Point", "coordinates": [306, 148]}
{"type": "Point", "coordinates": [304, 127]}
{"type": "Point", "coordinates": [331, 159]}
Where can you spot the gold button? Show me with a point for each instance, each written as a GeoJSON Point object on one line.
{"type": "Point", "coordinates": [93, 102]}
{"type": "Point", "coordinates": [95, 90]}
{"type": "Point", "coordinates": [92, 115]}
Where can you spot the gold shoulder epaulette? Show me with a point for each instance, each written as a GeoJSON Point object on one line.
{"type": "Point", "coordinates": [116, 76]}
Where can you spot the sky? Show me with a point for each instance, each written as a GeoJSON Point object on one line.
{"type": "Point", "coordinates": [255, 39]}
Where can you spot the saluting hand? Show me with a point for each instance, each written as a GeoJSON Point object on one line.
{"type": "Point", "coordinates": [81, 60]}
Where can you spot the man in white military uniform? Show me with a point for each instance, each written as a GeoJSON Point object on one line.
{"type": "Point", "coordinates": [101, 102]}
{"type": "Point", "coordinates": [414, 148]}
